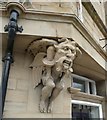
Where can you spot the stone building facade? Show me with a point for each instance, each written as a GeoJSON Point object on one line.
{"type": "Point", "coordinates": [85, 92]}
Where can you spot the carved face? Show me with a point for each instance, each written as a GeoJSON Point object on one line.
{"type": "Point", "coordinates": [65, 54]}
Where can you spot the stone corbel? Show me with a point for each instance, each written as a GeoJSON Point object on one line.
{"type": "Point", "coordinates": [52, 64]}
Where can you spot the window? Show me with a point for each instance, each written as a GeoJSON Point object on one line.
{"type": "Point", "coordinates": [86, 110]}
{"type": "Point", "coordinates": [84, 84]}
{"type": "Point", "coordinates": [79, 84]}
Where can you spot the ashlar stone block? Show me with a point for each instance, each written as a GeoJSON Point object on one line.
{"type": "Point", "coordinates": [16, 96]}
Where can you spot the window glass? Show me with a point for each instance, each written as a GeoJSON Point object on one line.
{"type": "Point", "coordinates": [84, 112]}
{"type": "Point", "coordinates": [79, 84]}
{"type": "Point", "coordinates": [84, 84]}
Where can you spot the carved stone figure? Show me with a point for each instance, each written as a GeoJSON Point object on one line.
{"type": "Point", "coordinates": [50, 65]}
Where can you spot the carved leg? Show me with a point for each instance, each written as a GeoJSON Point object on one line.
{"type": "Point", "coordinates": [59, 87]}
{"type": "Point", "coordinates": [42, 106]}
{"type": "Point", "coordinates": [46, 93]}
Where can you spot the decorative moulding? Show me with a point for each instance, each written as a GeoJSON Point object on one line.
{"type": "Point", "coordinates": [77, 93]}
{"type": "Point", "coordinates": [62, 18]}
{"type": "Point", "coordinates": [15, 5]}
{"type": "Point", "coordinates": [90, 96]}
{"type": "Point", "coordinates": [90, 8]}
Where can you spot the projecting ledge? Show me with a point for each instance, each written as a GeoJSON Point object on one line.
{"type": "Point", "coordinates": [73, 90]}
{"type": "Point", "coordinates": [76, 93]}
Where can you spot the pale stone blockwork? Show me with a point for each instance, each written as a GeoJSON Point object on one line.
{"type": "Point", "coordinates": [99, 7]}
{"type": "Point", "coordinates": [22, 84]}
{"type": "Point", "coordinates": [16, 96]}
{"type": "Point", "coordinates": [12, 84]}
{"type": "Point", "coordinates": [23, 100]}
{"type": "Point", "coordinates": [15, 107]}
{"type": "Point", "coordinates": [58, 6]}
{"type": "Point", "coordinates": [17, 93]}
{"type": "Point", "coordinates": [92, 27]}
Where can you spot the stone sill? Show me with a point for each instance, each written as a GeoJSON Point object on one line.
{"type": "Point", "coordinates": [75, 91]}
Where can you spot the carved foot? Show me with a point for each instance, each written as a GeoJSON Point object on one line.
{"type": "Point", "coordinates": [42, 107]}
{"type": "Point", "coordinates": [50, 108]}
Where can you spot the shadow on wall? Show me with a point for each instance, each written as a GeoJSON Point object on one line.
{"type": "Point", "coordinates": [101, 88]}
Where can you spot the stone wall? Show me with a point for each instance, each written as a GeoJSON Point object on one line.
{"type": "Point", "coordinates": [99, 7]}
{"type": "Point", "coordinates": [92, 27]}
{"type": "Point", "coordinates": [101, 88]}
{"type": "Point", "coordinates": [22, 100]}
{"type": "Point", "coordinates": [71, 8]}
{"type": "Point", "coordinates": [61, 7]}
{"type": "Point", "coordinates": [17, 92]}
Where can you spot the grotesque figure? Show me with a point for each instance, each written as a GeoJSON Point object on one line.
{"type": "Point", "coordinates": [52, 67]}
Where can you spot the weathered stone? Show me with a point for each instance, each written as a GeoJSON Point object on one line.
{"type": "Point", "coordinates": [53, 69]}
{"type": "Point", "coordinates": [16, 96]}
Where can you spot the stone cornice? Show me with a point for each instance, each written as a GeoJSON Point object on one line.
{"type": "Point", "coordinates": [91, 10]}
{"type": "Point", "coordinates": [90, 96]}
{"type": "Point", "coordinates": [76, 93]}
{"type": "Point", "coordinates": [63, 18]}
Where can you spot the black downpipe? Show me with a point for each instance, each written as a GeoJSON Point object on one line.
{"type": "Point", "coordinates": [12, 28]}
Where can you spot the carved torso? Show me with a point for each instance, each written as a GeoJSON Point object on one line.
{"type": "Point", "coordinates": [50, 66]}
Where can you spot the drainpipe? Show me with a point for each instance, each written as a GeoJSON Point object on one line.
{"type": "Point", "coordinates": [12, 28]}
